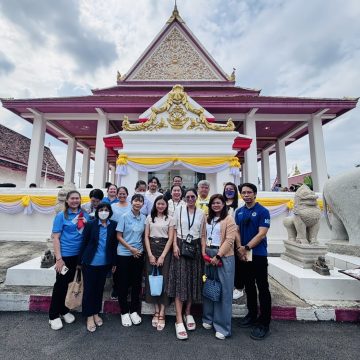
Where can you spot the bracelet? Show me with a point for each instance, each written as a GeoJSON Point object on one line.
{"type": "Point", "coordinates": [59, 259]}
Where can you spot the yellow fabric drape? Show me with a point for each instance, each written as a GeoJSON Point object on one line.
{"type": "Point", "coordinates": [45, 200]}
{"type": "Point", "coordinates": [276, 202]}
{"type": "Point", "coordinates": [195, 161]}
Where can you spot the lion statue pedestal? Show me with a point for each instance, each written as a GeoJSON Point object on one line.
{"type": "Point", "coordinates": [302, 248]}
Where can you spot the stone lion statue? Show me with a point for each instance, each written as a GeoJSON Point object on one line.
{"type": "Point", "coordinates": [61, 197]}
{"type": "Point", "coordinates": [304, 226]}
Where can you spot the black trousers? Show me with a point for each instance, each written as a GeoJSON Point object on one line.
{"type": "Point", "coordinates": [94, 283]}
{"type": "Point", "coordinates": [57, 305]}
{"type": "Point", "coordinates": [130, 271]}
{"type": "Point", "coordinates": [255, 274]}
{"type": "Point", "coordinates": [238, 279]}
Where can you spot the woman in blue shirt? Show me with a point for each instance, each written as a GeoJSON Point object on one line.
{"type": "Point", "coordinates": [67, 236]}
{"type": "Point", "coordinates": [130, 260]}
{"type": "Point", "coordinates": [111, 197]}
{"type": "Point", "coordinates": [97, 256]}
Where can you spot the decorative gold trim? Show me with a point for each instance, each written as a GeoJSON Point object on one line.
{"type": "Point", "coordinates": [176, 101]}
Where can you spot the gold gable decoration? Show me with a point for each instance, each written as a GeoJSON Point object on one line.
{"type": "Point", "coordinates": [175, 58]}
{"type": "Point", "coordinates": [175, 105]}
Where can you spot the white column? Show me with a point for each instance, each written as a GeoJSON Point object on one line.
{"type": "Point", "coordinates": [317, 153]}
{"type": "Point", "coordinates": [251, 170]}
{"type": "Point", "coordinates": [36, 154]}
{"type": "Point", "coordinates": [70, 161]}
{"type": "Point", "coordinates": [281, 165]}
{"type": "Point", "coordinates": [265, 171]}
{"type": "Point", "coordinates": [100, 151]}
{"type": "Point", "coordinates": [85, 168]}
{"type": "Point", "coordinates": [242, 176]}
{"type": "Point", "coordinates": [112, 174]}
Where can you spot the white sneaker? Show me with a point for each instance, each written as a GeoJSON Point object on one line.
{"type": "Point", "coordinates": [68, 318]}
{"type": "Point", "coordinates": [125, 320]}
{"type": "Point", "coordinates": [237, 294]}
{"type": "Point", "coordinates": [206, 326]}
{"type": "Point", "coordinates": [56, 324]}
{"type": "Point", "coordinates": [219, 336]}
{"type": "Point", "coordinates": [135, 318]}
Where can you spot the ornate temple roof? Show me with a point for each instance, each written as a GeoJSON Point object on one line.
{"type": "Point", "coordinates": [176, 56]}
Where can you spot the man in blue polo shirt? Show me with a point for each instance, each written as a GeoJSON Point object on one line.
{"type": "Point", "coordinates": [253, 221]}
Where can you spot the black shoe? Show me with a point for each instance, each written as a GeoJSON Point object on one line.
{"type": "Point", "coordinates": [247, 321]}
{"type": "Point", "coordinates": [260, 332]}
{"type": "Point", "coordinates": [114, 295]}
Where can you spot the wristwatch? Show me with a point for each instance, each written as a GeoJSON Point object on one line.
{"type": "Point", "coordinates": [218, 257]}
{"type": "Point", "coordinates": [247, 248]}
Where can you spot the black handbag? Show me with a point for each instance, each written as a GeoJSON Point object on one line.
{"type": "Point", "coordinates": [212, 286]}
{"type": "Point", "coordinates": [188, 249]}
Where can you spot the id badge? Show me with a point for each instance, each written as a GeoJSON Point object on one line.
{"type": "Point", "coordinates": [208, 242]}
{"type": "Point", "coordinates": [189, 238]}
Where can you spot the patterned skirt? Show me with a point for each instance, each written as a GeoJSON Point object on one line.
{"type": "Point", "coordinates": [185, 276]}
{"type": "Point", "coordinates": [157, 246]}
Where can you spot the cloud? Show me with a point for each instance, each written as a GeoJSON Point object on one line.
{"type": "Point", "coordinates": [6, 66]}
{"type": "Point", "coordinates": [290, 48]}
{"type": "Point", "coordinates": [46, 21]}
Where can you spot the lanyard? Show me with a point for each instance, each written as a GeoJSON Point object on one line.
{"type": "Point", "coordinates": [188, 216]}
{"type": "Point", "coordinates": [213, 224]}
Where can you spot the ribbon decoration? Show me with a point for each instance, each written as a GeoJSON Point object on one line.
{"type": "Point", "coordinates": [14, 204]}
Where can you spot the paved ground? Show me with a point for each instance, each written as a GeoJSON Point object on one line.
{"type": "Point", "coordinates": [28, 336]}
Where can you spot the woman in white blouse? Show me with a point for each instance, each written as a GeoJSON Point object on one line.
{"type": "Point", "coordinates": [159, 231]}
{"type": "Point", "coordinates": [185, 276]}
{"type": "Point", "coordinates": [176, 199]}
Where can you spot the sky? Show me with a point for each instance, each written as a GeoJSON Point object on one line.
{"type": "Point", "coordinates": [283, 47]}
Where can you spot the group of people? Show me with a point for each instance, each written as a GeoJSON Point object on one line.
{"type": "Point", "coordinates": [186, 235]}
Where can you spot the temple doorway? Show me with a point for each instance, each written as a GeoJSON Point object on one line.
{"type": "Point", "coordinates": [190, 178]}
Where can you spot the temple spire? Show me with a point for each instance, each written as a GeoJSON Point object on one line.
{"type": "Point", "coordinates": [175, 15]}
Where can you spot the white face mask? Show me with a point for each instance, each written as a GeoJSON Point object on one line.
{"type": "Point", "coordinates": [103, 215]}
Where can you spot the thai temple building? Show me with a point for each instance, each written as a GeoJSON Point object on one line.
{"type": "Point", "coordinates": [177, 111]}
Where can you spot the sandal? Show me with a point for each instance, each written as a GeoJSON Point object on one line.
{"type": "Point", "coordinates": [90, 327]}
{"type": "Point", "coordinates": [180, 330]}
{"type": "Point", "coordinates": [155, 319]}
{"type": "Point", "coordinates": [98, 321]}
{"type": "Point", "coordinates": [190, 322]}
{"type": "Point", "coordinates": [161, 326]}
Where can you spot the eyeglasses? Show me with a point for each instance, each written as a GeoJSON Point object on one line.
{"type": "Point", "coordinates": [190, 197]}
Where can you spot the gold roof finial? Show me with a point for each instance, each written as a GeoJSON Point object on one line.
{"type": "Point", "coordinates": [118, 76]}
{"type": "Point", "coordinates": [232, 76]}
{"type": "Point", "coordinates": [175, 15]}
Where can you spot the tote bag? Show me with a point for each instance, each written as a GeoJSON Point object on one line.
{"type": "Point", "coordinates": [75, 291]}
{"type": "Point", "coordinates": [156, 282]}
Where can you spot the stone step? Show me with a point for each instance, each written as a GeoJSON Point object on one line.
{"type": "Point", "coordinates": [343, 262]}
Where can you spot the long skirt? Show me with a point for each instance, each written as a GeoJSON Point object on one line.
{"type": "Point", "coordinates": [157, 246]}
{"type": "Point", "coordinates": [185, 276]}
